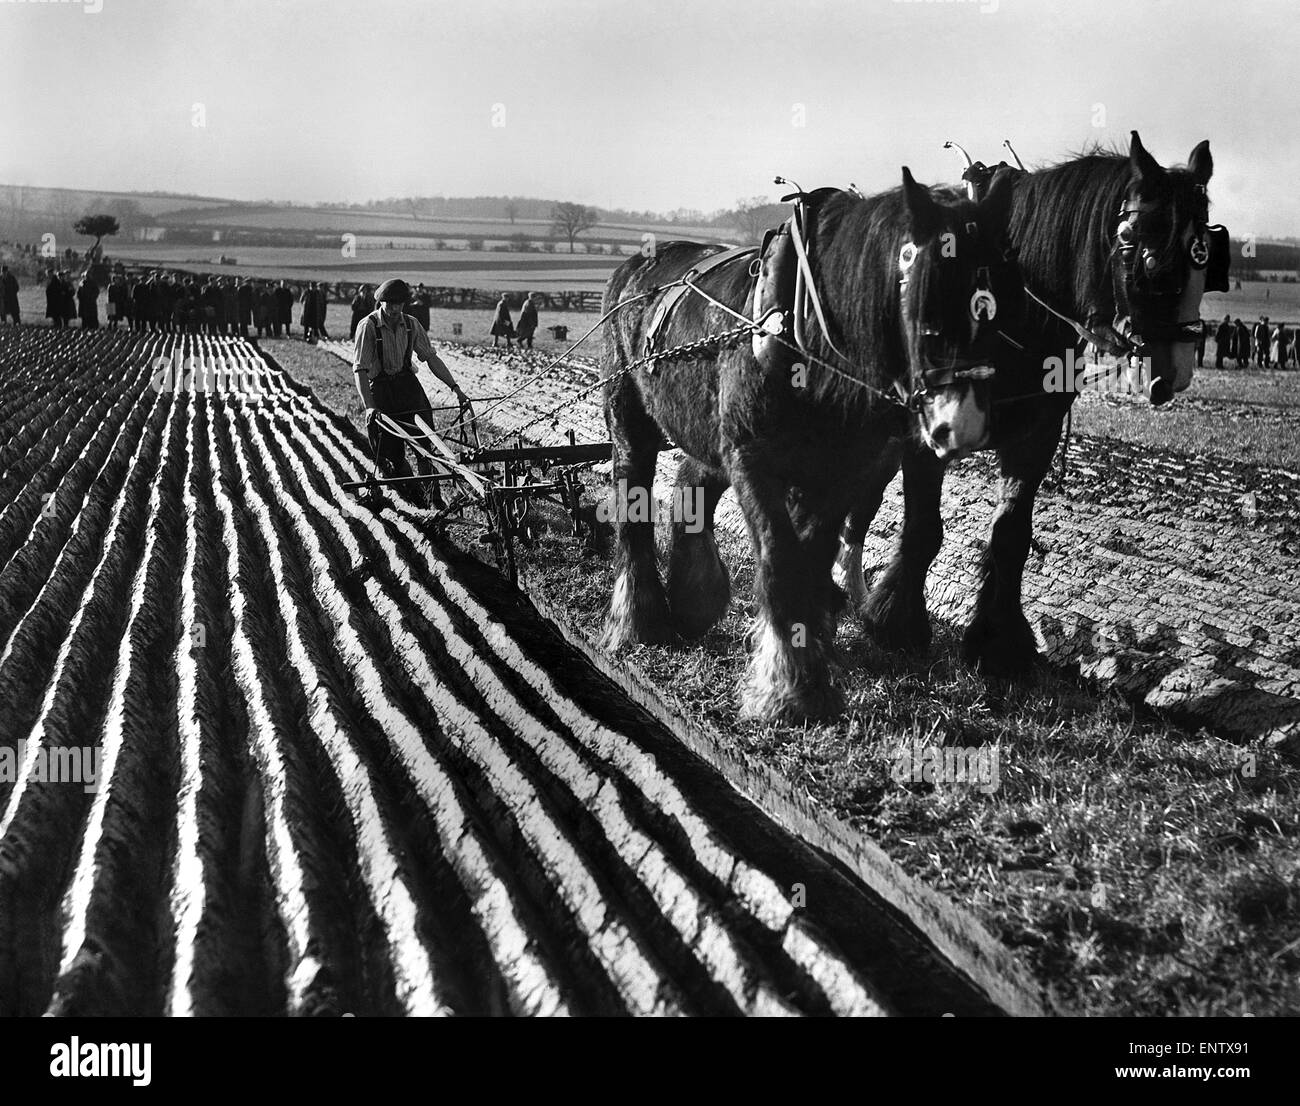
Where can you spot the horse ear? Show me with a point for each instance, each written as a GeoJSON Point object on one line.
{"type": "Point", "coordinates": [921, 207]}
{"type": "Point", "coordinates": [1201, 164]}
{"type": "Point", "coordinates": [1146, 169]}
{"type": "Point", "coordinates": [996, 204]}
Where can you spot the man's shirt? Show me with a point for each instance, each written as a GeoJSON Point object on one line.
{"type": "Point", "coordinates": [365, 358]}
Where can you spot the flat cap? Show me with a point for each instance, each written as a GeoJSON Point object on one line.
{"type": "Point", "coordinates": [395, 290]}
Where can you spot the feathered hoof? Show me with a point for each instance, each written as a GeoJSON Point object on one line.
{"type": "Point", "coordinates": [638, 615]}
{"type": "Point", "coordinates": [789, 683]}
{"type": "Point", "coordinates": [895, 624]}
{"type": "Point", "coordinates": [1005, 652]}
{"type": "Point", "coordinates": [699, 586]}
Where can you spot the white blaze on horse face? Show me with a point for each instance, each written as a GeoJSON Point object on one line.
{"type": "Point", "coordinates": [953, 423]}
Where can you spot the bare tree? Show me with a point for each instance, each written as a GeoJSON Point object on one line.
{"type": "Point", "coordinates": [751, 218]}
{"type": "Point", "coordinates": [569, 220]}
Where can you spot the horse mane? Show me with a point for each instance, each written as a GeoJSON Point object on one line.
{"type": "Point", "coordinates": [855, 262]}
{"type": "Point", "coordinates": [1063, 220]}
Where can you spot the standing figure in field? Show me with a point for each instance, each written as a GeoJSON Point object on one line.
{"type": "Point", "coordinates": [54, 301]}
{"type": "Point", "coordinates": [1262, 335]}
{"type": "Point", "coordinates": [868, 316]}
{"type": "Point", "coordinates": [283, 316]}
{"type": "Point", "coordinates": [1243, 345]}
{"type": "Point", "coordinates": [88, 303]}
{"type": "Point", "coordinates": [362, 304]}
{"type": "Point", "coordinates": [322, 305]}
{"type": "Point", "coordinates": [527, 322]}
{"type": "Point", "coordinates": [1223, 341]}
{"type": "Point", "coordinates": [9, 296]}
{"type": "Point", "coordinates": [502, 327]}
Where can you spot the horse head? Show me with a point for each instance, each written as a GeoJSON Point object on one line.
{"type": "Point", "coordinates": [958, 281]}
{"type": "Point", "coordinates": [1167, 256]}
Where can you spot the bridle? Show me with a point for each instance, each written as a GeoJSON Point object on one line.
{"type": "Point", "coordinates": [983, 308]}
{"type": "Point", "coordinates": [1208, 247]}
{"type": "Point", "coordinates": [1207, 250]}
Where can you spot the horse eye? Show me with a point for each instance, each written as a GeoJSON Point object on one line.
{"type": "Point", "coordinates": [1125, 234]}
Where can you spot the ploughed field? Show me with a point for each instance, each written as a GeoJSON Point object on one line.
{"type": "Point", "coordinates": [1133, 860]}
{"type": "Point", "coordinates": [341, 767]}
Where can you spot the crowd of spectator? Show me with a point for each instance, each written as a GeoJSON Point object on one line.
{"type": "Point", "coordinates": [1266, 345]}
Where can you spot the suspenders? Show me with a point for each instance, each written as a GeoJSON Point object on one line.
{"type": "Point", "coordinates": [379, 345]}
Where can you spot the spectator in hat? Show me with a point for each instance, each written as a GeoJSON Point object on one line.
{"type": "Point", "coordinates": [1222, 342]}
{"type": "Point", "coordinates": [9, 296]}
{"type": "Point", "coordinates": [54, 301]}
{"type": "Point", "coordinates": [1243, 345]}
{"type": "Point", "coordinates": [88, 303]}
{"type": "Point", "coordinates": [362, 304]}
{"type": "Point", "coordinates": [244, 301]}
{"type": "Point", "coordinates": [527, 322]}
{"type": "Point", "coordinates": [1262, 335]}
{"type": "Point", "coordinates": [502, 327]}
{"type": "Point", "coordinates": [282, 317]}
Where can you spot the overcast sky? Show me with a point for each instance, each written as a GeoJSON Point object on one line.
{"type": "Point", "coordinates": [654, 104]}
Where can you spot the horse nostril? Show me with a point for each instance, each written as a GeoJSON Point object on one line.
{"type": "Point", "coordinates": [940, 434]}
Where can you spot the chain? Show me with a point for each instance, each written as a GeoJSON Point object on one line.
{"type": "Point", "coordinates": [723, 339]}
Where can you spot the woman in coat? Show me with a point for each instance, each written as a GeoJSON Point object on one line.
{"type": "Point", "coordinates": [54, 301]}
{"type": "Point", "coordinates": [88, 303]}
{"type": "Point", "coordinates": [502, 327]}
{"type": "Point", "coordinates": [527, 322]}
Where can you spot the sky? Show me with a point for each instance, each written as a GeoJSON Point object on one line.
{"type": "Point", "coordinates": [638, 104]}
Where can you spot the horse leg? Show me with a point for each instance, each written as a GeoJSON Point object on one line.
{"type": "Point", "coordinates": [999, 639]}
{"type": "Point", "coordinates": [789, 674]}
{"type": "Point", "coordinates": [699, 585]}
{"type": "Point", "coordinates": [638, 608]}
{"type": "Point", "coordinates": [818, 521]}
{"type": "Point", "coordinates": [894, 614]}
{"type": "Point", "coordinates": [847, 571]}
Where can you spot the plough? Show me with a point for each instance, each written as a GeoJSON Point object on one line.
{"type": "Point", "coordinates": [501, 484]}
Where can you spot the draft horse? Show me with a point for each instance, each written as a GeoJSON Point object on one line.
{"type": "Point", "coordinates": [890, 327]}
{"type": "Point", "coordinates": [1115, 251]}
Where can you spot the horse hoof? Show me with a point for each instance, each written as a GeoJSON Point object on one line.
{"type": "Point", "coordinates": [637, 616]}
{"type": "Point", "coordinates": [1002, 654]}
{"type": "Point", "coordinates": [787, 682]}
{"type": "Point", "coordinates": [894, 624]}
{"type": "Point", "coordinates": [699, 585]}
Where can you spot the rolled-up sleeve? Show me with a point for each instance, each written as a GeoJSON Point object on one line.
{"type": "Point", "coordinates": [421, 346]}
{"type": "Point", "coordinates": [364, 358]}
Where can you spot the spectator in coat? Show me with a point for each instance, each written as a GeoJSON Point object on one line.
{"type": "Point", "coordinates": [264, 310]}
{"type": "Point", "coordinates": [117, 300]}
{"type": "Point", "coordinates": [283, 317]}
{"type": "Point", "coordinates": [9, 296]}
{"type": "Point", "coordinates": [527, 322]}
{"type": "Point", "coordinates": [502, 327]}
{"type": "Point", "coordinates": [1223, 341]}
{"type": "Point", "coordinates": [229, 307]}
{"type": "Point", "coordinates": [1262, 334]}
{"type": "Point", "coordinates": [1243, 345]}
{"type": "Point", "coordinates": [309, 312]}
{"type": "Point", "coordinates": [141, 305]}
{"type": "Point", "coordinates": [54, 301]}
{"type": "Point", "coordinates": [419, 306]}
{"type": "Point", "coordinates": [88, 303]}
{"type": "Point", "coordinates": [1199, 343]}
{"type": "Point", "coordinates": [244, 310]}
{"type": "Point", "coordinates": [362, 304]}
{"type": "Point", "coordinates": [69, 297]}
{"type": "Point", "coordinates": [322, 302]}
{"type": "Point", "coordinates": [1281, 342]}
